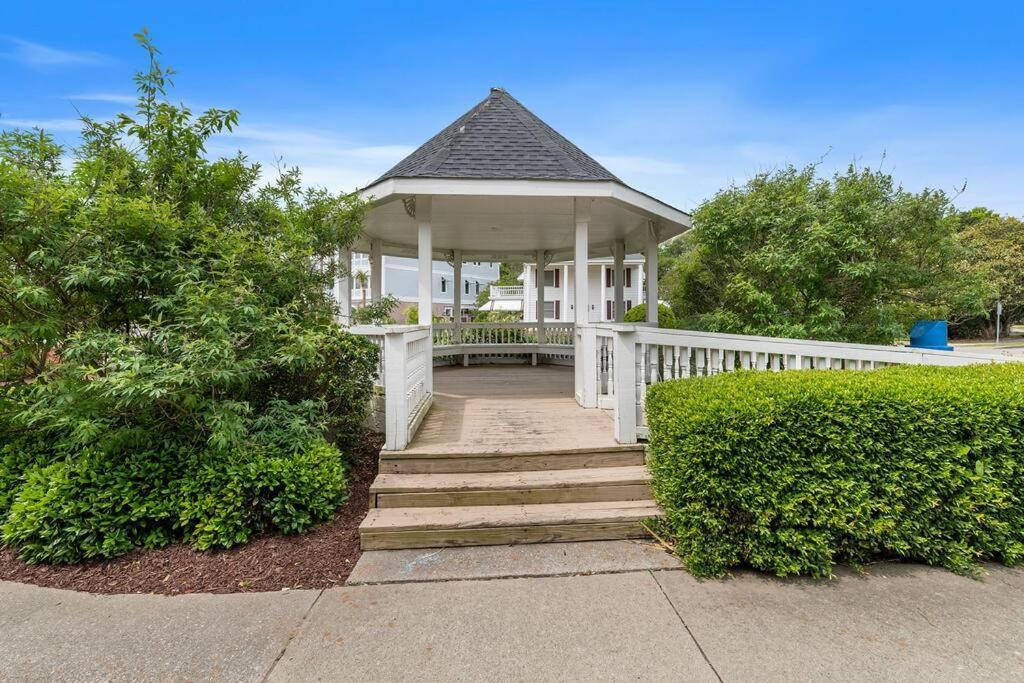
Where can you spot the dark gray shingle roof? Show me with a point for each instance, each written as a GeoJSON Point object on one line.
{"type": "Point", "coordinates": [499, 138]}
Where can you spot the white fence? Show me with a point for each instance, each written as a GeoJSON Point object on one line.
{"type": "Point", "coordinates": [506, 291]}
{"type": "Point", "coordinates": [492, 341]}
{"type": "Point", "coordinates": [636, 356]}
{"type": "Point", "coordinates": [406, 373]}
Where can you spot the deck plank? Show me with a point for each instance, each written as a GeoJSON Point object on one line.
{"type": "Point", "coordinates": [508, 409]}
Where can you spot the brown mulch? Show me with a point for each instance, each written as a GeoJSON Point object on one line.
{"type": "Point", "coordinates": [319, 558]}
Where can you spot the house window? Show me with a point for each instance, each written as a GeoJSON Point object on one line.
{"type": "Point", "coordinates": [477, 287]}
{"type": "Point", "coordinates": [609, 277]}
{"type": "Point", "coordinates": [467, 286]}
{"type": "Point", "coordinates": [444, 285]}
{"type": "Point", "coordinates": [629, 277]}
{"type": "Point", "coordinates": [552, 278]}
{"type": "Point", "coordinates": [608, 313]}
{"type": "Point", "coordinates": [552, 310]}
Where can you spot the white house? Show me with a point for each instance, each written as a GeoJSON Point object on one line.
{"type": "Point", "coordinates": [559, 282]}
{"type": "Point", "coordinates": [399, 278]}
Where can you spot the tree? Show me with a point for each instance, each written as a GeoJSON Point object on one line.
{"type": "Point", "coordinates": [852, 258]}
{"type": "Point", "coordinates": [363, 281]}
{"type": "Point", "coordinates": [638, 314]}
{"type": "Point", "coordinates": [508, 275]}
{"type": "Point", "coordinates": [995, 245]}
{"type": "Point", "coordinates": [170, 369]}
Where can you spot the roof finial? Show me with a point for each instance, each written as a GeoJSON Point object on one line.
{"type": "Point", "coordinates": [497, 89]}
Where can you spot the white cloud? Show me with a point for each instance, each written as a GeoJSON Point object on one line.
{"type": "Point", "coordinates": [103, 97]}
{"type": "Point", "coordinates": [325, 158]}
{"type": "Point", "coordinates": [620, 164]}
{"type": "Point", "coordinates": [42, 56]}
{"type": "Point", "coordinates": [51, 125]}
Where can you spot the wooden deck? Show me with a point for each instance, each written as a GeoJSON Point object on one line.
{"type": "Point", "coordinates": [509, 409]}
{"type": "Point", "coordinates": [505, 455]}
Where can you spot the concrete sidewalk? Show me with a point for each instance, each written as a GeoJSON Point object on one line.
{"type": "Point", "coordinates": [899, 622]}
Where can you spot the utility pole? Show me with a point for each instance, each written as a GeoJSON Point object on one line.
{"type": "Point", "coordinates": [999, 318]}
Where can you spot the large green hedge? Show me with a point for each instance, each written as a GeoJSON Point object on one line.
{"type": "Point", "coordinates": [793, 472]}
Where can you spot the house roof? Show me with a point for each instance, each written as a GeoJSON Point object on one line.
{"type": "Point", "coordinates": [499, 138]}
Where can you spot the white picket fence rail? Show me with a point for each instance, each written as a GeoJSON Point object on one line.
{"type": "Point", "coordinates": [406, 374]}
{"type": "Point", "coordinates": [607, 358]}
{"type": "Point", "coordinates": [637, 356]}
{"type": "Point", "coordinates": [506, 291]}
{"type": "Point", "coordinates": [452, 334]}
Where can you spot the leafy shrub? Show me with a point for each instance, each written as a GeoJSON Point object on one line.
{"type": "Point", "coordinates": [169, 363]}
{"type": "Point", "coordinates": [231, 498]}
{"type": "Point", "coordinates": [792, 472]}
{"type": "Point", "coordinates": [380, 312]}
{"type": "Point", "coordinates": [94, 506]}
{"type": "Point", "coordinates": [638, 314]}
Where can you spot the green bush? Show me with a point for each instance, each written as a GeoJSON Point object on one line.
{"type": "Point", "coordinates": [229, 499]}
{"type": "Point", "coordinates": [638, 314]}
{"type": "Point", "coordinates": [93, 505]}
{"type": "Point", "coordinates": [170, 368]}
{"type": "Point", "coordinates": [793, 472]}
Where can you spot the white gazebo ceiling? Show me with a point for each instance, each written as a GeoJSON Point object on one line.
{"type": "Point", "coordinates": [503, 184]}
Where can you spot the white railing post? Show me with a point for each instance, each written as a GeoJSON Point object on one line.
{"type": "Point", "coordinates": [625, 397]}
{"type": "Point", "coordinates": [396, 410]}
{"type": "Point", "coordinates": [586, 365]}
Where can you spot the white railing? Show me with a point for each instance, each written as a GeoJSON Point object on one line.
{"type": "Point", "coordinates": [637, 356]}
{"type": "Point", "coordinates": [502, 334]}
{"type": "Point", "coordinates": [406, 373]}
{"type": "Point", "coordinates": [506, 291]}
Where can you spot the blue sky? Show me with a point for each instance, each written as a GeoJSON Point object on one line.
{"type": "Point", "coordinates": [677, 99]}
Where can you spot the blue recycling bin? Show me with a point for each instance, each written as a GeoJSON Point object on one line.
{"type": "Point", "coordinates": [930, 334]}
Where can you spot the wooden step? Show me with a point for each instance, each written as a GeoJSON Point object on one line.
{"type": "Point", "coordinates": [511, 488]}
{"type": "Point", "coordinates": [437, 527]}
{"type": "Point", "coordinates": [403, 462]}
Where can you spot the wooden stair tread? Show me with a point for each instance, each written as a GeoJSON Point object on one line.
{"type": "Point", "coordinates": [411, 453]}
{"type": "Point", "coordinates": [384, 520]}
{"type": "Point", "coordinates": [527, 480]}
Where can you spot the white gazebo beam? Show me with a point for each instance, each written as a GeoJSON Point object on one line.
{"type": "Point", "coordinates": [376, 270]}
{"type": "Point", "coordinates": [586, 337]}
{"type": "Point", "coordinates": [619, 279]}
{"type": "Point", "coordinates": [457, 300]}
{"type": "Point", "coordinates": [425, 255]}
{"type": "Point", "coordinates": [539, 269]}
{"type": "Point", "coordinates": [651, 267]}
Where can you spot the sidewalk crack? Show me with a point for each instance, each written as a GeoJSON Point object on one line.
{"type": "Point", "coordinates": [291, 637]}
{"type": "Point", "coordinates": [683, 622]}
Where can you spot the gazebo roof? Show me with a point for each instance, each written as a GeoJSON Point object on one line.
{"type": "Point", "coordinates": [501, 184]}
{"type": "Point", "coordinates": [499, 138]}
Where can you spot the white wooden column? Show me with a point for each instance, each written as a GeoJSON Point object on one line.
{"type": "Point", "coordinates": [425, 264]}
{"type": "Point", "coordinates": [581, 257]}
{"type": "Point", "coordinates": [619, 275]}
{"type": "Point", "coordinates": [651, 266]}
{"type": "Point", "coordinates": [457, 301]}
{"type": "Point", "coordinates": [343, 286]}
{"type": "Point", "coordinates": [539, 268]}
{"type": "Point", "coordinates": [376, 269]}
{"type": "Point", "coordinates": [425, 268]}
{"type": "Point", "coordinates": [585, 356]}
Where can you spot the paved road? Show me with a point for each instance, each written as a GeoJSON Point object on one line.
{"type": "Point", "coordinates": [902, 622]}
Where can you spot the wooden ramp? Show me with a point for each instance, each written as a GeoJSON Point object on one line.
{"type": "Point", "coordinates": [506, 456]}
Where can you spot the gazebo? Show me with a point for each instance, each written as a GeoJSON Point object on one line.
{"type": "Point", "coordinates": [512, 454]}
{"type": "Point", "coordinates": [499, 184]}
